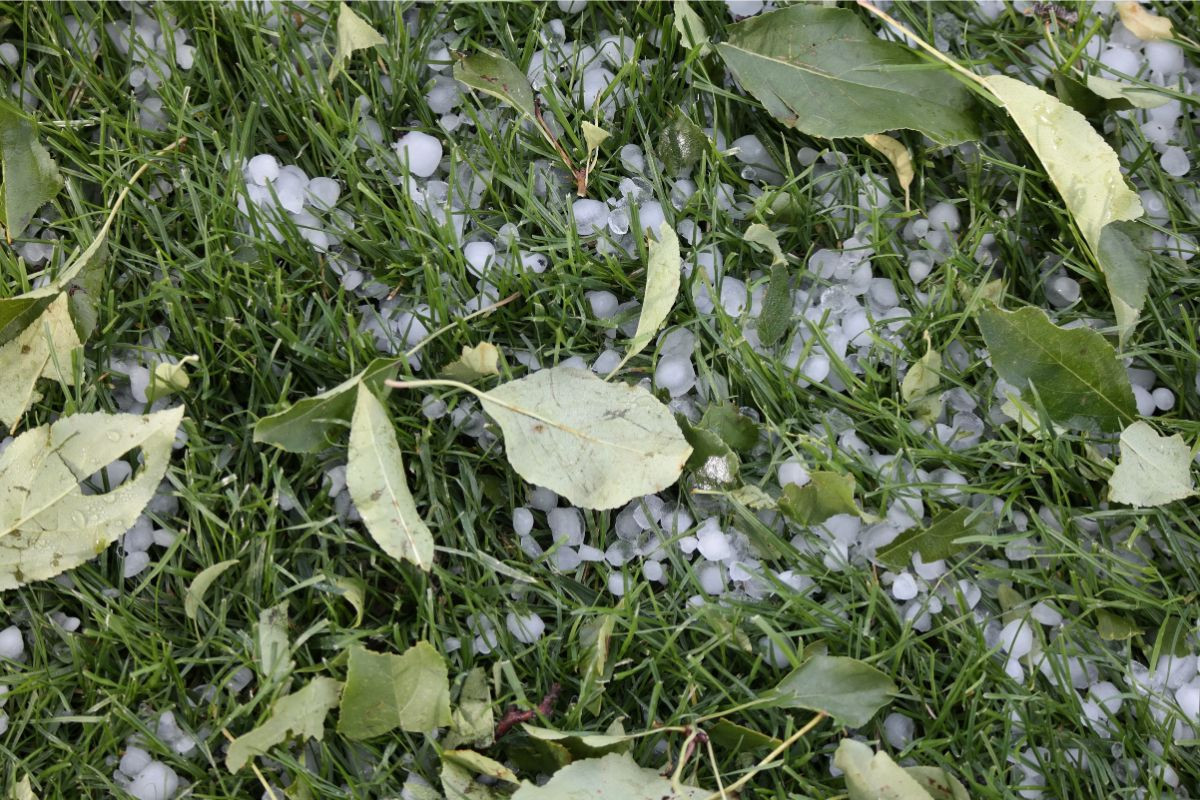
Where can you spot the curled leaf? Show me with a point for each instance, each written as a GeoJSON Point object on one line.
{"type": "Point", "coordinates": [493, 74]}
{"type": "Point", "coordinates": [899, 157]}
{"type": "Point", "coordinates": [1146, 25]}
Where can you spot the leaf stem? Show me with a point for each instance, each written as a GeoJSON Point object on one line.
{"type": "Point", "coordinates": [485, 310]}
{"type": "Point", "coordinates": [926, 46]}
{"type": "Point", "coordinates": [766, 762]}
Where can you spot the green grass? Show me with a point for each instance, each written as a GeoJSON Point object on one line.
{"type": "Point", "coordinates": [271, 324]}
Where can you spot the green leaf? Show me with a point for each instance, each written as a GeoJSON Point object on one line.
{"type": "Point", "coordinates": [691, 28]}
{"type": "Point", "coordinates": [821, 70]}
{"type": "Point", "coordinates": [167, 378]}
{"type": "Point", "coordinates": [200, 584]}
{"type": "Point", "coordinates": [777, 307]}
{"type": "Point", "coordinates": [1084, 169]}
{"type": "Point", "coordinates": [825, 494]}
{"type": "Point", "coordinates": [1075, 372]}
{"type": "Point", "coordinates": [42, 350]}
{"type": "Point", "coordinates": [472, 721]}
{"type": "Point", "coordinates": [733, 738]}
{"type": "Point", "coordinates": [735, 428]}
{"type": "Point", "coordinates": [307, 425]}
{"type": "Point", "coordinates": [705, 444]}
{"type": "Point", "coordinates": [1153, 471]}
{"type": "Point", "coordinates": [940, 785]}
{"type": "Point", "coordinates": [752, 497]}
{"type": "Point", "coordinates": [477, 764]}
{"type": "Point", "coordinates": [846, 689]}
{"type": "Point", "coordinates": [1124, 258]}
{"type": "Point", "coordinates": [1078, 96]}
{"type": "Point", "coordinates": [301, 714]}
{"type": "Point", "coordinates": [459, 783]}
{"type": "Point", "coordinates": [493, 74]}
{"type": "Point", "coordinates": [1114, 627]}
{"type": "Point", "coordinates": [681, 143]}
{"type": "Point", "coordinates": [662, 287]}
{"type": "Point", "coordinates": [24, 790]}
{"type": "Point", "coordinates": [614, 777]}
{"type": "Point", "coordinates": [375, 478]}
{"type": "Point", "coordinates": [934, 543]}
{"type": "Point", "coordinates": [582, 744]}
{"type": "Point", "coordinates": [593, 135]}
{"type": "Point", "coordinates": [597, 444]}
{"type": "Point", "coordinates": [763, 238]}
{"type": "Point", "coordinates": [47, 524]}
{"type": "Point", "coordinates": [355, 592]}
{"type": "Point", "coordinates": [480, 361]}
{"type": "Point", "coordinates": [31, 178]}
{"type": "Point", "coordinates": [875, 776]}
{"type": "Point", "coordinates": [386, 691]}
{"type": "Point", "coordinates": [274, 647]}
{"type": "Point", "coordinates": [594, 670]}
{"type": "Point", "coordinates": [1125, 96]}
{"type": "Point", "coordinates": [1171, 639]}
{"type": "Point", "coordinates": [353, 33]}
{"type": "Point", "coordinates": [923, 377]}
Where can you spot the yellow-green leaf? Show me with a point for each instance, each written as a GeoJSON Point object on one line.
{"type": "Point", "coordinates": [200, 584]}
{"type": "Point", "coordinates": [593, 135]}
{"type": "Point", "coordinates": [386, 691]}
{"type": "Point", "coordinates": [896, 154]}
{"type": "Point", "coordinates": [480, 361]}
{"type": "Point", "coordinates": [31, 177]}
{"type": "Point", "coordinates": [167, 378]}
{"type": "Point", "coordinates": [300, 714]}
{"type": "Point", "coordinates": [42, 350]}
{"type": "Point", "coordinates": [353, 33]}
{"type": "Point", "coordinates": [691, 28]}
{"type": "Point", "coordinates": [1145, 25]}
{"type": "Point", "coordinates": [662, 287]}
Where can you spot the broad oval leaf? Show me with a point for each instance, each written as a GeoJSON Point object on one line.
{"type": "Point", "coordinates": [492, 73]}
{"type": "Point", "coordinates": [200, 585]}
{"type": "Point", "coordinates": [42, 350]}
{"type": "Point", "coordinates": [846, 689]}
{"type": "Point", "coordinates": [582, 744]}
{"type": "Point", "coordinates": [47, 524]}
{"type": "Point", "coordinates": [662, 287]}
{"type": "Point", "coordinates": [353, 33]}
{"type": "Point", "coordinates": [681, 143]}
{"type": "Point", "coordinates": [472, 721]}
{"type": "Point", "coordinates": [597, 444]}
{"type": "Point", "coordinates": [616, 776]}
{"type": "Point", "coordinates": [825, 494]}
{"type": "Point", "coordinates": [822, 71]}
{"type": "Point", "coordinates": [1153, 471]}
{"type": "Point", "coordinates": [375, 478]}
{"type": "Point", "coordinates": [307, 425]}
{"type": "Point", "coordinates": [386, 691]}
{"type": "Point", "coordinates": [1075, 372]}
{"type": "Point", "coordinates": [300, 714]}
{"type": "Point", "coordinates": [31, 178]}
{"type": "Point", "coordinates": [274, 648]}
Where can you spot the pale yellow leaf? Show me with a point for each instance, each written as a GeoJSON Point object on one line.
{"type": "Point", "coordinates": [1145, 25]}
{"type": "Point", "coordinates": [896, 153]}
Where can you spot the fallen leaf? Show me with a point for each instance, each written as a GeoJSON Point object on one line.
{"type": "Point", "coordinates": [822, 71]}
{"type": "Point", "coordinates": [355, 592]}
{"type": "Point", "coordinates": [762, 237]}
{"type": "Point", "coordinates": [1074, 372]}
{"type": "Point", "coordinates": [493, 74]}
{"type": "Point", "coordinates": [825, 494]}
{"type": "Point", "coordinates": [167, 378]}
{"type": "Point", "coordinates": [353, 33]}
{"type": "Point", "coordinates": [1114, 627]}
{"type": "Point", "coordinates": [777, 307]}
{"type": "Point", "coordinates": [597, 444]}
{"type": "Point", "coordinates": [301, 714]}
{"type": "Point", "coordinates": [691, 28]}
{"type": "Point", "coordinates": [582, 744]}
{"type": "Point", "coordinates": [47, 524]}
{"type": "Point", "coordinates": [614, 777]}
{"type": "Point", "coordinates": [899, 157]}
{"type": "Point", "coordinates": [1153, 471]}
{"type": "Point", "coordinates": [662, 287]}
{"type": "Point", "coordinates": [43, 350]}
{"type": "Point", "coordinates": [875, 776]}
{"type": "Point", "coordinates": [472, 721]}
{"type": "Point", "coordinates": [1145, 25]}
{"type": "Point", "coordinates": [846, 689]}
{"type": "Point", "coordinates": [680, 143]}
{"type": "Point", "coordinates": [200, 584]}
{"type": "Point", "coordinates": [478, 764]}
{"type": "Point", "coordinates": [480, 361]}
{"type": "Point", "coordinates": [1124, 257]}
{"type": "Point", "coordinates": [732, 738]}
{"type": "Point", "coordinates": [274, 647]}
{"type": "Point", "coordinates": [386, 691]}
{"type": "Point", "coordinates": [934, 543]}
{"type": "Point", "coordinates": [593, 135]}
{"type": "Point", "coordinates": [31, 177]}
{"type": "Point", "coordinates": [594, 670]}
{"type": "Point", "coordinates": [1125, 96]}
{"type": "Point", "coordinates": [24, 790]}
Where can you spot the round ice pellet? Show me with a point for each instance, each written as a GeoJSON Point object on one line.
{"type": "Point", "coordinates": [420, 151]}
{"type": "Point", "coordinates": [1164, 398]}
{"type": "Point", "coordinates": [1175, 161]}
{"type": "Point", "coordinates": [522, 521]}
{"type": "Point", "coordinates": [590, 216]}
{"type": "Point", "coordinates": [262, 169]}
{"type": "Point", "coordinates": [1016, 638]}
{"type": "Point", "coordinates": [134, 760]}
{"type": "Point", "coordinates": [904, 587]}
{"type": "Point", "coordinates": [323, 193]}
{"type": "Point", "coordinates": [944, 216]}
{"type": "Point", "coordinates": [1062, 291]}
{"type": "Point", "coordinates": [652, 570]}
{"type": "Point", "coordinates": [792, 472]}
{"type": "Point", "coordinates": [898, 730]}
{"type": "Point", "coordinates": [525, 628]}
{"type": "Point", "coordinates": [815, 368]}
{"type": "Point", "coordinates": [479, 256]}
{"type": "Point", "coordinates": [9, 54]}
{"type": "Point", "coordinates": [650, 216]}
{"type": "Point", "coordinates": [1165, 58]}
{"type": "Point", "coordinates": [1145, 401]}
{"type": "Point", "coordinates": [604, 304]}
{"type": "Point", "coordinates": [543, 499]}
{"type": "Point", "coordinates": [156, 782]}
{"type": "Point", "coordinates": [12, 645]}
{"type": "Point", "coordinates": [1119, 62]}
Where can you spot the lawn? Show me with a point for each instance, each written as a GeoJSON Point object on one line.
{"type": "Point", "coordinates": [289, 228]}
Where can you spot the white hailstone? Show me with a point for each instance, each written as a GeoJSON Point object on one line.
{"type": "Point", "coordinates": [1046, 614]}
{"type": "Point", "coordinates": [675, 374]}
{"type": "Point", "coordinates": [1145, 401]}
{"type": "Point", "coordinates": [713, 543]}
{"type": "Point", "coordinates": [134, 760]}
{"type": "Point", "coordinates": [711, 578]}
{"type": "Point", "coordinates": [904, 588]}
{"type": "Point", "coordinates": [590, 216]}
{"type": "Point", "coordinates": [929, 571]}
{"type": "Point", "coordinates": [525, 628]}
{"type": "Point", "coordinates": [792, 471]}
{"type": "Point", "coordinates": [239, 680]}
{"type": "Point", "coordinates": [856, 328]}
{"type": "Point", "coordinates": [262, 169]}
{"type": "Point", "coordinates": [1154, 204]}
{"type": "Point", "coordinates": [1014, 670]}
{"type": "Point", "coordinates": [1164, 398]}
{"type": "Point", "coordinates": [744, 8]}
{"type": "Point", "coordinates": [522, 521]}
{"type": "Point", "coordinates": [616, 583]}
{"type": "Point", "coordinates": [1175, 161]}
{"type": "Point", "coordinates": [290, 191]}
{"type": "Point", "coordinates": [432, 407]}
{"type": "Point", "coordinates": [590, 554]}
{"type": "Point", "coordinates": [12, 645]}
{"type": "Point", "coordinates": [530, 547]}
{"type": "Point", "coordinates": [1016, 638]}
{"type": "Point", "coordinates": [595, 81]}
{"type": "Point", "coordinates": [1166, 115]}
{"type": "Point", "coordinates": [815, 368]}
{"type": "Point", "coordinates": [1062, 291]}
{"type": "Point", "coordinates": [323, 193]}
{"type": "Point", "coordinates": [9, 54]}
{"type": "Point", "coordinates": [971, 594]}
{"type": "Point", "coordinates": [632, 159]}
{"type": "Point", "coordinates": [444, 96]}
{"type": "Point", "coordinates": [652, 504]}
{"type": "Point", "coordinates": [156, 782]}
{"type": "Point", "coordinates": [652, 570]}
{"type": "Point", "coordinates": [682, 191]}
{"type": "Point", "coordinates": [571, 6]}
{"type": "Point", "coordinates": [1188, 699]}
{"type": "Point", "coordinates": [898, 730]}
{"type": "Point", "coordinates": [882, 293]}
{"type": "Point", "coordinates": [775, 655]}
{"type": "Point", "coordinates": [650, 216]}
{"type": "Point", "coordinates": [567, 525]}
{"type": "Point", "coordinates": [574, 362]}
{"type": "Point", "coordinates": [1106, 695]}
{"type": "Point", "coordinates": [944, 216]}
{"type": "Point", "coordinates": [1119, 62]}
{"type": "Point", "coordinates": [1174, 671]}
{"type": "Point", "coordinates": [606, 362]}
{"type": "Point", "coordinates": [164, 538]}
{"type": "Point", "coordinates": [1165, 58]}
{"type": "Point", "coordinates": [139, 382]}
{"type": "Point", "coordinates": [420, 152]}
{"type": "Point", "coordinates": [534, 262]}
{"type": "Point", "coordinates": [479, 256]}
{"type": "Point", "coordinates": [604, 304]}
{"type": "Point", "coordinates": [134, 564]}
{"type": "Point", "coordinates": [565, 559]}
{"type": "Point", "coordinates": [543, 499]}
{"type": "Point", "coordinates": [139, 537]}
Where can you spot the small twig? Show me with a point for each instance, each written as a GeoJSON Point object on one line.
{"type": "Point", "coordinates": [514, 716]}
{"type": "Point", "coordinates": [581, 176]}
{"type": "Point", "coordinates": [485, 310]}
{"type": "Point", "coordinates": [767, 761]}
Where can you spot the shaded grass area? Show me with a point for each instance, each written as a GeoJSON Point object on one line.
{"type": "Point", "coordinates": [271, 324]}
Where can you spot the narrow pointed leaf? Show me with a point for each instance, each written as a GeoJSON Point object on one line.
{"type": "Point", "coordinates": [353, 33]}
{"type": "Point", "coordinates": [31, 178]}
{"type": "Point", "coordinates": [493, 74]}
{"type": "Point", "coordinates": [934, 543]}
{"type": "Point", "coordinates": [42, 350]}
{"type": "Point", "coordinates": [764, 238]}
{"type": "Point", "coordinates": [47, 524]}
{"type": "Point", "coordinates": [200, 585]}
{"type": "Point", "coordinates": [301, 714]}
{"type": "Point", "coordinates": [597, 444]}
{"type": "Point", "coordinates": [846, 689]}
{"type": "Point", "coordinates": [1153, 471]}
{"type": "Point", "coordinates": [732, 738]}
{"type": "Point", "coordinates": [582, 744]}
{"type": "Point", "coordinates": [375, 478]}
{"type": "Point", "coordinates": [1124, 258]}
{"type": "Point", "coordinates": [777, 307]}
{"type": "Point", "coordinates": [274, 647]}
{"type": "Point", "coordinates": [691, 28]}
{"type": "Point", "coordinates": [822, 71]}
{"type": "Point", "coordinates": [1075, 372]}
{"type": "Point", "coordinates": [898, 156]}
{"type": "Point", "coordinates": [1125, 96]}
{"type": "Point", "coordinates": [662, 287]}
{"type": "Point", "coordinates": [386, 691]}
